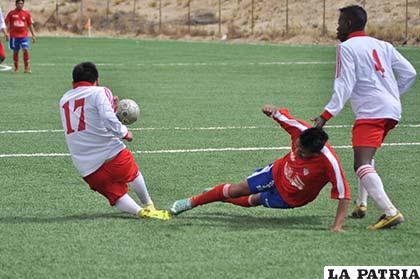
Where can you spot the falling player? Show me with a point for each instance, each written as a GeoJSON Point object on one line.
{"type": "Point", "coordinates": [3, 29]}
{"type": "Point", "coordinates": [292, 181]}
{"type": "Point", "coordinates": [18, 21]}
{"type": "Point", "coordinates": [365, 75]}
{"type": "Point", "coordinates": [94, 137]}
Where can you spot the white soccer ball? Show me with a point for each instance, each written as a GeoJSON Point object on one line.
{"type": "Point", "coordinates": [128, 111]}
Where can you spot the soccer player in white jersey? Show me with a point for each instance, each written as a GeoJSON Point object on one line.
{"type": "Point", "coordinates": [3, 29]}
{"type": "Point", "coordinates": [365, 75]}
{"type": "Point", "coordinates": [94, 137]}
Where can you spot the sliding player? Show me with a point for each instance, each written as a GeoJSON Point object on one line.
{"type": "Point", "coordinates": [290, 182]}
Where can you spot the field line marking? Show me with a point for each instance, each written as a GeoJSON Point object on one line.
{"type": "Point", "coordinates": [188, 128]}
{"type": "Point", "coordinates": [4, 68]}
{"type": "Point", "coordinates": [199, 150]}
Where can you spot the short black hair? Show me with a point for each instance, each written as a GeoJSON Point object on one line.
{"type": "Point", "coordinates": [19, 1]}
{"type": "Point", "coordinates": [357, 16]}
{"type": "Point", "coordinates": [85, 71]}
{"type": "Point", "coordinates": [313, 139]}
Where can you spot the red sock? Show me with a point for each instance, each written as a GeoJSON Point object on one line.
{"type": "Point", "coordinates": [218, 193]}
{"type": "Point", "coordinates": [244, 201]}
{"type": "Point", "coordinates": [2, 53]}
{"type": "Point", "coordinates": [16, 59]}
{"type": "Point", "coordinates": [26, 58]}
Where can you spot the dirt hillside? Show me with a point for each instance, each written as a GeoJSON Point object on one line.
{"type": "Point", "coordinates": [269, 20]}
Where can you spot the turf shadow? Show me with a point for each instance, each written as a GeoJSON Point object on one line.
{"type": "Point", "coordinates": [67, 218]}
{"type": "Point", "coordinates": [249, 222]}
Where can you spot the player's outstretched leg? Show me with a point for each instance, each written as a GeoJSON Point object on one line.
{"type": "Point", "coordinates": [218, 193]}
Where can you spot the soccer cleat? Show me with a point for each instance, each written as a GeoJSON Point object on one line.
{"type": "Point", "coordinates": [180, 206]}
{"type": "Point", "coordinates": [386, 222]}
{"type": "Point", "coordinates": [359, 211]}
{"type": "Point", "coordinates": [154, 214]}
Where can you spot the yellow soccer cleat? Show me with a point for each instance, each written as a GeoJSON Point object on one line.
{"type": "Point", "coordinates": [154, 214]}
{"type": "Point", "coordinates": [359, 211]}
{"type": "Point", "coordinates": [386, 222]}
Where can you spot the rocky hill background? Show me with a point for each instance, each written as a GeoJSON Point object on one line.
{"type": "Point", "coordinates": [289, 21]}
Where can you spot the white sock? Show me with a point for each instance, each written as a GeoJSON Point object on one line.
{"type": "Point", "coordinates": [141, 190]}
{"type": "Point", "coordinates": [371, 181]}
{"type": "Point", "coordinates": [127, 204]}
{"type": "Point", "coordinates": [363, 194]}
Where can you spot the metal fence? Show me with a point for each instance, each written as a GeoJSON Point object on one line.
{"type": "Point", "coordinates": [396, 20]}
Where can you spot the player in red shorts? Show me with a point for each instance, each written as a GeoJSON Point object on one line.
{"type": "Point", "coordinates": [94, 137]}
{"type": "Point", "coordinates": [292, 181]}
{"type": "Point", "coordinates": [2, 29]}
{"type": "Point", "coordinates": [365, 76]}
{"type": "Point", "coordinates": [18, 22]}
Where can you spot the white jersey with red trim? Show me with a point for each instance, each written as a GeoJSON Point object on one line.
{"type": "Point", "coordinates": [2, 23]}
{"type": "Point", "coordinates": [365, 75]}
{"type": "Point", "coordinates": [299, 180]}
{"type": "Point", "coordinates": [93, 133]}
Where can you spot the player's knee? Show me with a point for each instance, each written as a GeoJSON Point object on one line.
{"type": "Point", "coordinates": [238, 190]}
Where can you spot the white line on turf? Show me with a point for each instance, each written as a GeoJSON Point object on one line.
{"type": "Point", "coordinates": [4, 68]}
{"type": "Point", "coordinates": [188, 128]}
{"type": "Point", "coordinates": [203, 150]}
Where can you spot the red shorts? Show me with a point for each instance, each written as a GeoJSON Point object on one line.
{"type": "Point", "coordinates": [112, 177]}
{"type": "Point", "coordinates": [371, 132]}
{"type": "Point", "coordinates": [2, 53]}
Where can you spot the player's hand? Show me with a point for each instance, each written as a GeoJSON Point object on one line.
{"type": "Point", "coordinates": [115, 102]}
{"type": "Point", "coordinates": [129, 136]}
{"type": "Point", "coordinates": [269, 110]}
{"type": "Point", "coordinates": [338, 229]}
{"type": "Point", "coordinates": [319, 122]}
{"type": "Point", "coordinates": [34, 40]}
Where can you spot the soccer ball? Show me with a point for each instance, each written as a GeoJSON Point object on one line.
{"type": "Point", "coordinates": [128, 111]}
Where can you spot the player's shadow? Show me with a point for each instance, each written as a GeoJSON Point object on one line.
{"type": "Point", "coordinates": [67, 218]}
{"type": "Point", "coordinates": [252, 222]}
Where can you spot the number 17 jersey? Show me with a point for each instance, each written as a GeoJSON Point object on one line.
{"type": "Point", "coordinates": [93, 132]}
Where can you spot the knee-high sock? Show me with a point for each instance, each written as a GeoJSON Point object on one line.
{"type": "Point", "coordinates": [218, 193]}
{"type": "Point", "coordinates": [140, 188]}
{"type": "Point", "coordinates": [16, 59]}
{"type": "Point", "coordinates": [373, 184]}
{"type": "Point", "coordinates": [26, 58]}
{"type": "Point", "coordinates": [127, 204]}
{"type": "Point", "coordinates": [363, 194]}
{"type": "Point", "coordinates": [244, 201]}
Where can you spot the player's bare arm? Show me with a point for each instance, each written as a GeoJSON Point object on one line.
{"type": "Point", "coordinates": [340, 216]}
{"type": "Point", "coordinates": [31, 28]}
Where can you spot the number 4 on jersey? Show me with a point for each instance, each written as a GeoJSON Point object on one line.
{"type": "Point", "coordinates": [78, 103]}
{"type": "Point", "coordinates": [378, 64]}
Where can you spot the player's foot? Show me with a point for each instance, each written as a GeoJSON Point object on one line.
{"type": "Point", "coordinates": [180, 206]}
{"type": "Point", "coordinates": [27, 70]}
{"type": "Point", "coordinates": [154, 214]}
{"type": "Point", "coordinates": [16, 70]}
{"type": "Point", "coordinates": [386, 222]}
{"type": "Point", "coordinates": [359, 211]}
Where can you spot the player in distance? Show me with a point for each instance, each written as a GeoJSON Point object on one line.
{"type": "Point", "coordinates": [365, 76]}
{"type": "Point", "coordinates": [18, 22]}
{"type": "Point", "coordinates": [94, 138]}
{"type": "Point", "coordinates": [3, 29]}
{"type": "Point", "coordinates": [291, 181]}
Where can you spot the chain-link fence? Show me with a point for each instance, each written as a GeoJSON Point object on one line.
{"type": "Point", "coordinates": [271, 20]}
